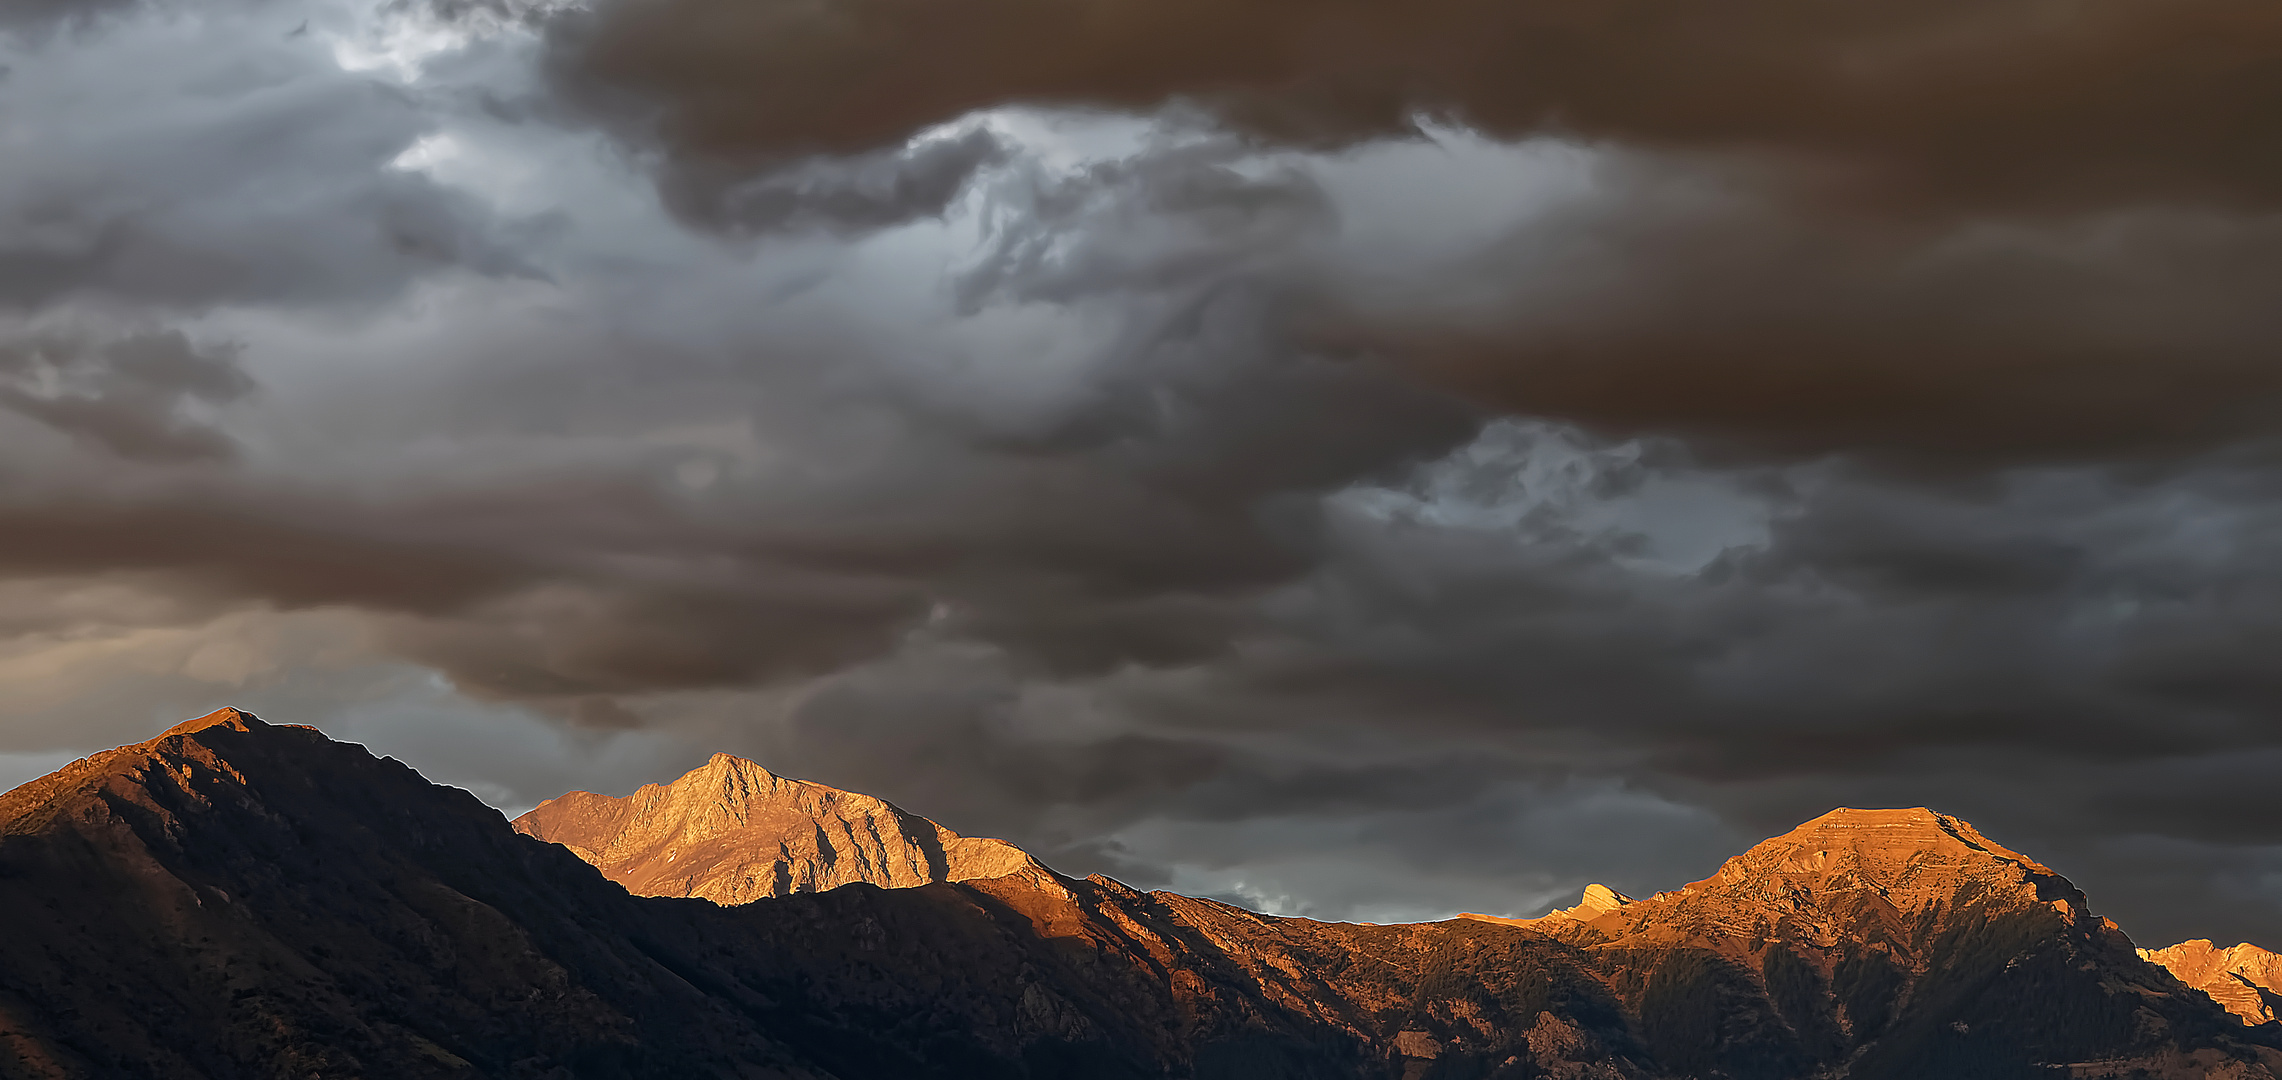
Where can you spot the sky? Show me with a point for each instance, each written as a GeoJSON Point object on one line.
{"type": "Point", "coordinates": [1357, 459]}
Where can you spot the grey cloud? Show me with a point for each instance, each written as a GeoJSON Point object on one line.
{"type": "Point", "coordinates": [239, 166]}
{"type": "Point", "coordinates": [1518, 848]}
{"type": "Point", "coordinates": [1875, 617]}
{"type": "Point", "coordinates": [869, 191]}
{"type": "Point", "coordinates": [126, 395]}
{"type": "Point", "coordinates": [1308, 811]}
{"type": "Point", "coordinates": [41, 19]}
{"type": "Point", "coordinates": [1180, 219]}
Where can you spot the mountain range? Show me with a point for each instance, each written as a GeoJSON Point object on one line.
{"type": "Point", "coordinates": [241, 899]}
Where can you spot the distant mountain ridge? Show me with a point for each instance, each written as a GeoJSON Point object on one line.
{"type": "Point", "coordinates": [239, 899]}
{"type": "Point", "coordinates": [733, 832]}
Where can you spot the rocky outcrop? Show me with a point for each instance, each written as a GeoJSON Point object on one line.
{"type": "Point", "coordinates": [239, 899]}
{"type": "Point", "coordinates": [733, 832]}
{"type": "Point", "coordinates": [2244, 979]}
{"type": "Point", "coordinates": [1598, 900]}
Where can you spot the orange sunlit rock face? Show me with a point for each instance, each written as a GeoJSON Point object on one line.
{"type": "Point", "coordinates": [1849, 875]}
{"type": "Point", "coordinates": [2244, 978]}
{"type": "Point", "coordinates": [222, 717]}
{"type": "Point", "coordinates": [1845, 878]}
{"type": "Point", "coordinates": [733, 832]}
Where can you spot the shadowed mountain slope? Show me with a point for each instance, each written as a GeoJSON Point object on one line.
{"type": "Point", "coordinates": [237, 899]}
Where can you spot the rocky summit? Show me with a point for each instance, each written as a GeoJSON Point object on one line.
{"type": "Point", "coordinates": [241, 899]}
{"type": "Point", "coordinates": [2244, 978]}
{"type": "Point", "coordinates": [1895, 942]}
{"type": "Point", "coordinates": [733, 832]}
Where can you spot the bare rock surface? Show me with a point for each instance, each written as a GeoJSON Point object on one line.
{"type": "Point", "coordinates": [733, 832]}
{"type": "Point", "coordinates": [2245, 979]}
{"type": "Point", "coordinates": [1844, 876]}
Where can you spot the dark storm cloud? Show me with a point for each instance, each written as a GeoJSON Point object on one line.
{"type": "Point", "coordinates": [574, 643]}
{"type": "Point", "coordinates": [2072, 612]}
{"type": "Point", "coordinates": [290, 553]}
{"type": "Point", "coordinates": [2022, 96]}
{"type": "Point", "coordinates": [128, 395]}
{"type": "Point", "coordinates": [961, 732]}
{"type": "Point", "coordinates": [1739, 311]}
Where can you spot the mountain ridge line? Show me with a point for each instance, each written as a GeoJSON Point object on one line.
{"type": "Point", "coordinates": [236, 898]}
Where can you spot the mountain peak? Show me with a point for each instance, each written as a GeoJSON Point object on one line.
{"type": "Point", "coordinates": [2244, 979]}
{"type": "Point", "coordinates": [172, 751]}
{"type": "Point", "coordinates": [1602, 898]}
{"type": "Point", "coordinates": [732, 780]}
{"type": "Point", "coordinates": [225, 717]}
{"type": "Point", "coordinates": [727, 764]}
{"type": "Point", "coordinates": [1890, 874]}
{"type": "Point", "coordinates": [1901, 824]}
{"type": "Point", "coordinates": [1883, 846]}
{"type": "Point", "coordinates": [1870, 816]}
{"type": "Point", "coordinates": [732, 832]}
{"type": "Point", "coordinates": [1909, 857]}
